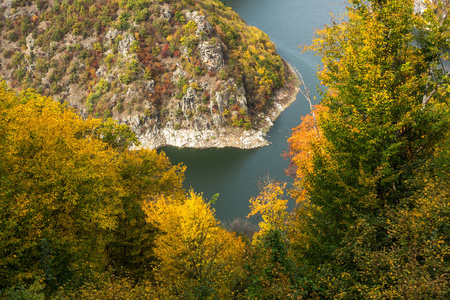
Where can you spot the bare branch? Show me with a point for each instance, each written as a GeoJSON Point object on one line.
{"type": "Point", "coordinates": [426, 97]}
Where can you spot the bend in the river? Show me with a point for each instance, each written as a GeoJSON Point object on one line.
{"type": "Point", "coordinates": [234, 173]}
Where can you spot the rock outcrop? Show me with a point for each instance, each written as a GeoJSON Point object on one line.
{"type": "Point", "coordinates": [203, 26]}
{"type": "Point", "coordinates": [125, 44]}
{"type": "Point", "coordinates": [211, 55]}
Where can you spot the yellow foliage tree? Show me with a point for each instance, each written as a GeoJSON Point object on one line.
{"type": "Point", "coordinates": [198, 259]}
{"type": "Point", "coordinates": [143, 174]}
{"type": "Point", "coordinates": [59, 191]}
{"type": "Point", "coordinates": [70, 196]}
{"type": "Point", "coordinates": [272, 209]}
{"type": "Point", "coordinates": [270, 270]}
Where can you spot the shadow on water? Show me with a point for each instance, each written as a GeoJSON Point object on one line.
{"type": "Point", "coordinates": [234, 173]}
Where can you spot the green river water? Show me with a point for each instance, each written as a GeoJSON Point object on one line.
{"type": "Point", "coordinates": [234, 173]}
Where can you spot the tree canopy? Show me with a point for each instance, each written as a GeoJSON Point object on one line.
{"type": "Point", "coordinates": [66, 187]}
{"type": "Point", "coordinates": [371, 154]}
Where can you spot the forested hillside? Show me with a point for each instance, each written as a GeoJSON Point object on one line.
{"type": "Point", "coordinates": [84, 217]}
{"type": "Point", "coordinates": [158, 66]}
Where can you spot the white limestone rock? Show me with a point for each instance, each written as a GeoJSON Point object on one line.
{"type": "Point", "coordinates": [211, 55]}
{"type": "Point", "coordinates": [125, 44]}
{"type": "Point", "coordinates": [203, 26]}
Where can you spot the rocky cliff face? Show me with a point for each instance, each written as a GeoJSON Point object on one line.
{"type": "Point", "coordinates": [184, 73]}
{"type": "Point", "coordinates": [210, 128]}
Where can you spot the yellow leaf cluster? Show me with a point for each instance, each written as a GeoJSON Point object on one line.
{"type": "Point", "coordinates": [271, 207]}
{"type": "Point", "coordinates": [194, 251]}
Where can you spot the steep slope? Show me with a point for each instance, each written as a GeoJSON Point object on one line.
{"type": "Point", "coordinates": [179, 72]}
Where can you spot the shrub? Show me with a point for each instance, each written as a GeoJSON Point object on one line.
{"type": "Point", "coordinates": [74, 78]}
{"type": "Point", "coordinates": [223, 75]}
{"type": "Point", "coordinates": [165, 51]}
{"type": "Point", "coordinates": [107, 114]}
{"type": "Point", "coordinates": [125, 79]}
{"type": "Point", "coordinates": [102, 86]}
{"type": "Point", "coordinates": [202, 109]}
{"type": "Point", "coordinates": [17, 59]}
{"type": "Point", "coordinates": [123, 25]}
{"type": "Point", "coordinates": [57, 34]}
{"type": "Point", "coordinates": [84, 54]}
{"type": "Point", "coordinates": [198, 70]}
{"type": "Point", "coordinates": [55, 88]}
{"type": "Point", "coordinates": [25, 25]}
{"type": "Point", "coordinates": [7, 53]}
{"type": "Point", "coordinates": [109, 60]}
{"type": "Point", "coordinates": [13, 36]}
{"type": "Point", "coordinates": [142, 15]}
{"type": "Point", "coordinates": [156, 50]}
{"type": "Point", "coordinates": [179, 17]}
{"type": "Point", "coordinates": [91, 101]}
{"type": "Point", "coordinates": [41, 4]}
{"type": "Point", "coordinates": [119, 107]}
{"type": "Point", "coordinates": [20, 73]}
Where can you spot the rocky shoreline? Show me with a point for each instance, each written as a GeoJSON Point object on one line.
{"type": "Point", "coordinates": [227, 136]}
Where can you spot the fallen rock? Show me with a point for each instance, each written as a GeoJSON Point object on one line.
{"type": "Point", "coordinates": [178, 73]}
{"type": "Point", "coordinates": [111, 34]}
{"type": "Point", "coordinates": [149, 85]}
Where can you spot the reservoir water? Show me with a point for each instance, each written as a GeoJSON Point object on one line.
{"type": "Point", "coordinates": [234, 173]}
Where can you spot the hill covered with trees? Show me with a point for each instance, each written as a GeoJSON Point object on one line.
{"type": "Point", "coordinates": [186, 73]}
{"type": "Point", "coordinates": [82, 216]}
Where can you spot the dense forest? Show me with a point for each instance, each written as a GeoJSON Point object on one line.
{"type": "Point", "coordinates": [85, 215]}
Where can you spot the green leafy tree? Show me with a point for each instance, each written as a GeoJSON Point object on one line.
{"type": "Point", "coordinates": [386, 110]}
{"type": "Point", "coordinates": [144, 174]}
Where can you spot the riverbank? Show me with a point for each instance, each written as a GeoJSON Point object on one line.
{"type": "Point", "coordinates": [227, 136]}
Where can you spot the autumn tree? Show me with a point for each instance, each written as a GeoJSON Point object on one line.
{"type": "Point", "coordinates": [271, 207]}
{"type": "Point", "coordinates": [59, 192]}
{"type": "Point", "coordinates": [416, 265]}
{"type": "Point", "coordinates": [144, 174]}
{"type": "Point", "coordinates": [197, 258]}
{"type": "Point", "coordinates": [386, 111]}
{"type": "Point", "coordinates": [271, 272]}
{"type": "Point", "coordinates": [71, 196]}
